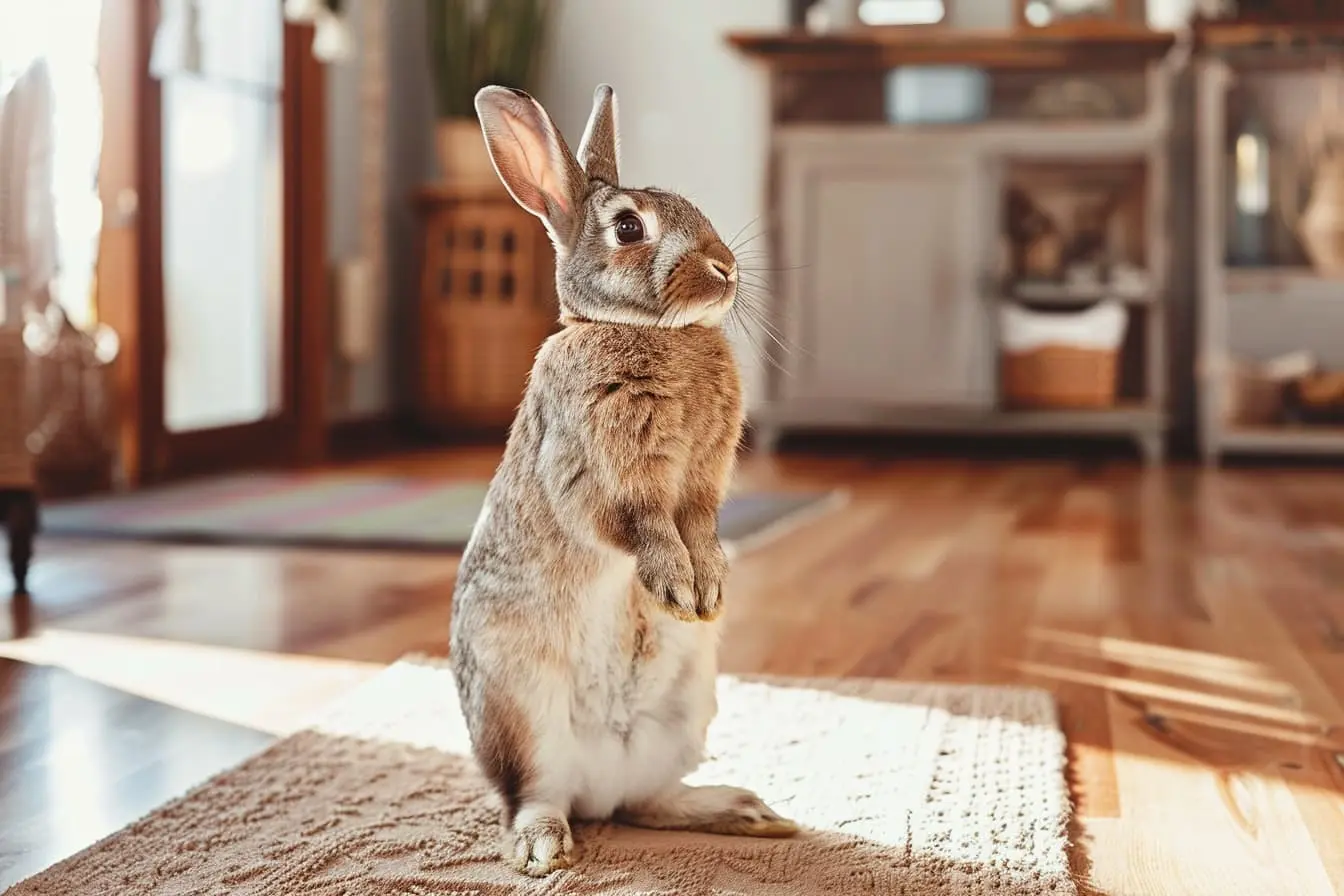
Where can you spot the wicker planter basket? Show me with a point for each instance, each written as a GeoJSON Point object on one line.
{"type": "Point", "coordinates": [487, 303]}
{"type": "Point", "coordinates": [1061, 360]}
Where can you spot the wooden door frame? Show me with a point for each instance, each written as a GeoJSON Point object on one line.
{"type": "Point", "coordinates": [132, 301]}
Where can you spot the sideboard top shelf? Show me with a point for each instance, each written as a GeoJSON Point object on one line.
{"type": "Point", "coordinates": [880, 48]}
{"type": "Point", "coordinates": [1215, 36]}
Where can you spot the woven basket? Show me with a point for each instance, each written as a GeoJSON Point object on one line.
{"type": "Point", "coordinates": [488, 301]}
{"type": "Point", "coordinates": [1061, 360]}
{"type": "Point", "coordinates": [1060, 376]}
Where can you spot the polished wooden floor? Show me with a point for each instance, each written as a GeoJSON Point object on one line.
{"type": "Point", "coordinates": [1191, 623]}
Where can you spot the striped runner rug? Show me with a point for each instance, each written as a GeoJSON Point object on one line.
{"type": "Point", "coordinates": [351, 511]}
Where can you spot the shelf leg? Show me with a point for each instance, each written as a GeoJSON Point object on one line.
{"type": "Point", "coordinates": [1152, 448]}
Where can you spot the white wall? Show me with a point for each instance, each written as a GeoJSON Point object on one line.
{"type": "Point", "coordinates": [694, 112]}
{"type": "Point", "coordinates": [982, 14]}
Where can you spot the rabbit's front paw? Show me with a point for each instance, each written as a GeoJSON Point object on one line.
{"type": "Point", "coordinates": [711, 567]}
{"type": "Point", "coordinates": [669, 577]}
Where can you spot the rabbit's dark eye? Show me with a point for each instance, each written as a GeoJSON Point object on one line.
{"type": "Point", "coordinates": [629, 229]}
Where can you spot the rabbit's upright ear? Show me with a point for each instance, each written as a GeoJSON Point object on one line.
{"type": "Point", "coordinates": [532, 159]}
{"type": "Point", "coordinates": [599, 150]}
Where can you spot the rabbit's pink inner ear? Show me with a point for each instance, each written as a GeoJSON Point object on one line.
{"type": "Point", "coordinates": [531, 158]}
{"type": "Point", "coordinates": [539, 166]}
{"type": "Point", "coordinates": [522, 159]}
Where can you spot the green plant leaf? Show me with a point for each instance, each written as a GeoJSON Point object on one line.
{"type": "Point", "coordinates": [475, 43]}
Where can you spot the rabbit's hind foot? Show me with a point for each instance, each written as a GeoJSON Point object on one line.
{"type": "Point", "coordinates": [713, 810]}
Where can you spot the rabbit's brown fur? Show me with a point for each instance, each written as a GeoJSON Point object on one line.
{"type": "Point", "coordinates": [585, 614]}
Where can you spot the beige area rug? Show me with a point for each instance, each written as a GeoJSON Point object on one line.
{"type": "Point", "coordinates": [903, 789]}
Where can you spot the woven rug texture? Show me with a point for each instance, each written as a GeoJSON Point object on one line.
{"type": "Point", "coordinates": [936, 790]}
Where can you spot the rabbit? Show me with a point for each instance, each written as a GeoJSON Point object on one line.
{"type": "Point", "coordinates": [585, 621]}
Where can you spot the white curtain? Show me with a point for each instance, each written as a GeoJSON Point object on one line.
{"type": "Point", "coordinates": [50, 135]}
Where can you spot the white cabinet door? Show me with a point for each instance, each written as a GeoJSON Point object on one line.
{"type": "Point", "coordinates": [885, 255]}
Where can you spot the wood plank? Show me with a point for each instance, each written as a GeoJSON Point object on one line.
{"type": "Point", "coordinates": [1207, 829]}
{"type": "Point", "coordinates": [1183, 619]}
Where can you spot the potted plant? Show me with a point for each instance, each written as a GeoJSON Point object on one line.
{"type": "Point", "coordinates": [474, 43]}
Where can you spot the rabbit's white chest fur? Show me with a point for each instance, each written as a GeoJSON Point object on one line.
{"type": "Point", "coordinates": [638, 701]}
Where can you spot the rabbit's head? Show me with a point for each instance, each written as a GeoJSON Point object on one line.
{"type": "Point", "coordinates": [630, 256]}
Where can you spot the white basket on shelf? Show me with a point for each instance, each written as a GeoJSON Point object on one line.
{"type": "Point", "coordinates": [1057, 359]}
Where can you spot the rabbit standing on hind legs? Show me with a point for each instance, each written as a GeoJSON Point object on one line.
{"type": "Point", "coordinates": [584, 627]}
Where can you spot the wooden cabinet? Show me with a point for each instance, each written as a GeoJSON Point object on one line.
{"type": "Point", "coordinates": [891, 278]}
{"type": "Point", "coordinates": [890, 234]}
{"type": "Point", "coordinates": [881, 253]}
{"type": "Point", "coordinates": [487, 302]}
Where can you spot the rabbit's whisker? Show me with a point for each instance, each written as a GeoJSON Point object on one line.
{"type": "Point", "coordinates": [757, 350]}
{"type": "Point", "coordinates": [767, 328]}
{"type": "Point", "coordinates": [737, 246]}
{"type": "Point", "coordinates": [740, 231]}
{"type": "Point", "coordinates": [767, 333]}
{"type": "Point", "coordinates": [747, 312]}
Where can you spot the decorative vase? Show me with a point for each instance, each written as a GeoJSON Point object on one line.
{"type": "Point", "coordinates": [1321, 227]}
{"type": "Point", "coordinates": [463, 156]}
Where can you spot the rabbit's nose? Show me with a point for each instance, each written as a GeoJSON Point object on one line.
{"type": "Point", "coordinates": [720, 259]}
{"type": "Point", "coordinates": [725, 269]}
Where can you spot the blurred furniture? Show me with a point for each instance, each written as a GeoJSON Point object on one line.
{"type": "Point", "coordinates": [28, 247]}
{"type": "Point", "coordinates": [74, 418]}
{"type": "Point", "coordinates": [1267, 291]}
{"type": "Point", "coordinates": [487, 302]}
{"type": "Point", "coordinates": [898, 242]}
{"type": "Point", "coordinates": [18, 484]}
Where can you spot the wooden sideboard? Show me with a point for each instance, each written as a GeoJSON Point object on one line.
{"type": "Point", "coordinates": [887, 236]}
